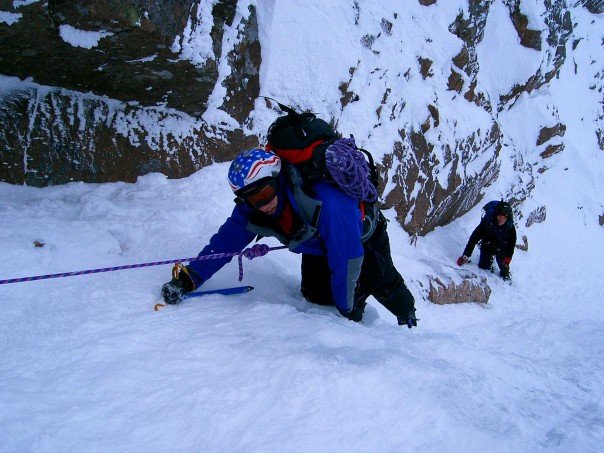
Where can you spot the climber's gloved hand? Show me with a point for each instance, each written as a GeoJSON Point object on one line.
{"type": "Point", "coordinates": [463, 259]}
{"type": "Point", "coordinates": [179, 286]}
{"type": "Point", "coordinates": [410, 320]}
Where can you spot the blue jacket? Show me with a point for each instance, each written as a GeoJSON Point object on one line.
{"type": "Point", "coordinates": [327, 224]}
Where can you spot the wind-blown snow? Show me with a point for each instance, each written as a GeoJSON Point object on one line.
{"type": "Point", "coordinates": [9, 18]}
{"type": "Point", "coordinates": [19, 3]}
{"type": "Point", "coordinates": [81, 38]}
{"type": "Point", "coordinates": [500, 68]}
{"type": "Point", "coordinates": [213, 113]}
{"type": "Point", "coordinates": [195, 44]}
{"type": "Point", "coordinates": [370, 50]}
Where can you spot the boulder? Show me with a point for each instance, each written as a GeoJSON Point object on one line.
{"type": "Point", "coordinates": [471, 289]}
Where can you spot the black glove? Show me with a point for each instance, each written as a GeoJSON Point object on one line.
{"type": "Point", "coordinates": [181, 284]}
{"type": "Point", "coordinates": [506, 274]}
{"type": "Point", "coordinates": [356, 314]}
{"type": "Point", "coordinates": [410, 320]}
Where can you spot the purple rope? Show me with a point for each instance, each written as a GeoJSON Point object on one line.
{"type": "Point", "coordinates": [350, 170]}
{"type": "Point", "coordinates": [250, 253]}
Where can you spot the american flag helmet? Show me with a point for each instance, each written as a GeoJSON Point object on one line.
{"type": "Point", "coordinates": [251, 166]}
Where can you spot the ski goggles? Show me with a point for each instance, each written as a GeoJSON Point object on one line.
{"type": "Point", "coordinates": [260, 196]}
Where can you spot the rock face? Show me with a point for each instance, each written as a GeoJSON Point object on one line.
{"type": "Point", "coordinates": [135, 61]}
{"type": "Point", "coordinates": [593, 6]}
{"type": "Point", "coordinates": [546, 133]}
{"type": "Point", "coordinates": [101, 122]}
{"type": "Point", "coordinates": [537, 216]}
{"type": "Point", "coordinates": [473, 289]}
{"type": "Point", "coordinates": [412, 165]}
{"type": "Point", "coordinates": [110, 90]}
{"type": "Point", "coordinates": [103, 141]}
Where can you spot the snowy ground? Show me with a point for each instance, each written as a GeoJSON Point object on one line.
{"type": "Point", "coordinates": [87, 365]}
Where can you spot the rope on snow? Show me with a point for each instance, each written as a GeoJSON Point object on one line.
{"type": "Point", "coordinates": [252, 252]}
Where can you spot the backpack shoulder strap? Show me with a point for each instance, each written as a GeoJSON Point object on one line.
{"type": "Point", "coordinates": [309, 208]}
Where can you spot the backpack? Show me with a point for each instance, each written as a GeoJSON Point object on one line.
{"type": "Point", "coordinates": [491, 206]}
{"type": "Point", "coordinates": [306, 141]}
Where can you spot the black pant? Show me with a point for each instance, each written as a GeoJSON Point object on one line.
{"type": "Point", "coordinates": [487, 254]}
{"type": "Point", "coordinates": [379, 278]}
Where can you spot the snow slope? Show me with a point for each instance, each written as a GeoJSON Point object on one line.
{"type": "Point", "coordinates": [88, 365]}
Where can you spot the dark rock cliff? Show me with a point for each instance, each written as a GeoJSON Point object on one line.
{"type": "Point", "coordinates": [91, 127]}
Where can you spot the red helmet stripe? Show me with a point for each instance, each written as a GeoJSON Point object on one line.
{"type": "Point", "coordinates": [258, 165]}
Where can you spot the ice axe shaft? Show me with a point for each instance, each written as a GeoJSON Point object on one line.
{"type": "Point", "coordinates": [223, 291]}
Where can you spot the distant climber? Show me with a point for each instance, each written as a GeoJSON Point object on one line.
{"type": "Point", "coordinates": [497, 236]}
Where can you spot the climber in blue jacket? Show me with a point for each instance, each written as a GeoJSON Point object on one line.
{"type": "Point", "coordinates": [340, 265]}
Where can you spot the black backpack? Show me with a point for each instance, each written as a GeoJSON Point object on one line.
{"type": "Point", "coordinates": [302, 140]}
{"type": "Point", "coordinates": [491, 208]}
